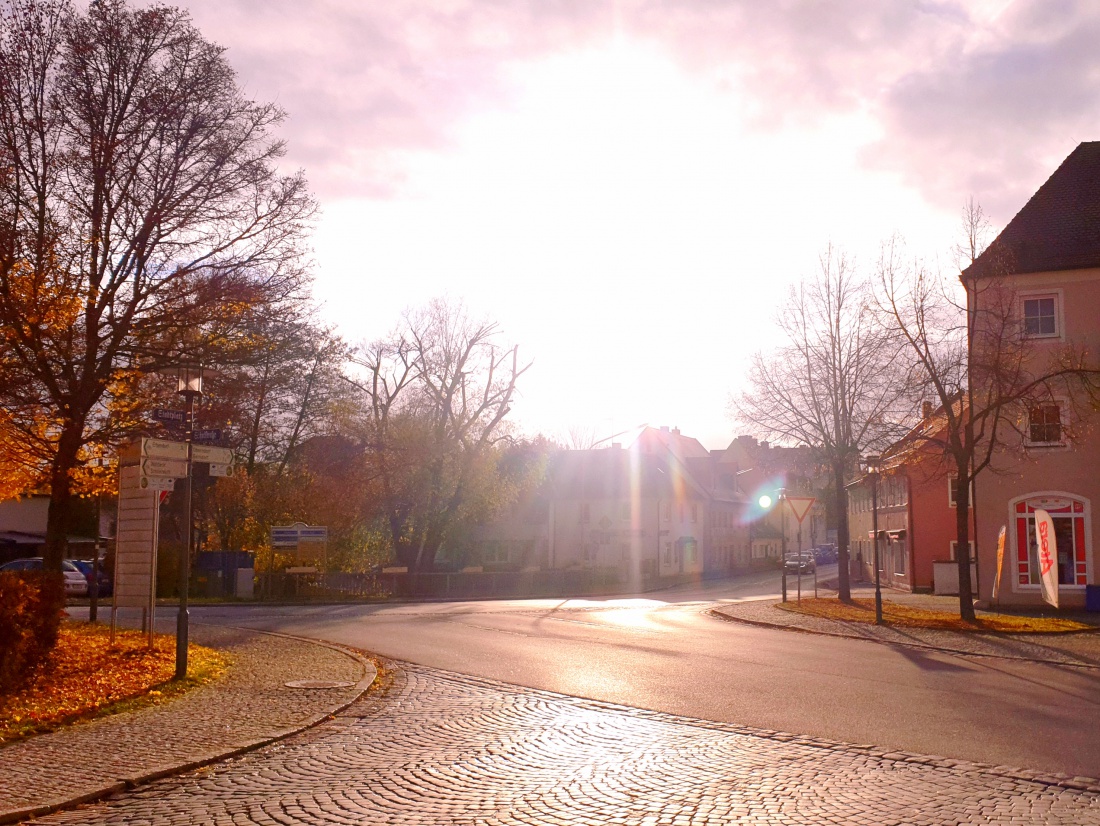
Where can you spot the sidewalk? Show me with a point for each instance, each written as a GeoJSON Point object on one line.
{"type": "Point", "coordinates": [250, 707]}
{"type": "Point", "coordinates": [1080, 649]}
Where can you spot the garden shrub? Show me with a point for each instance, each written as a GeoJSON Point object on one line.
{"type": "Point", "coordinates": [31, 606]}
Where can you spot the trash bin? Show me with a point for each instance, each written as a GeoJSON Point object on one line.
{"type": "Point", "coordinates": [1092, 597]}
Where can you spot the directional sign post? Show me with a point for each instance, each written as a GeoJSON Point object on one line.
{"type": "Point", "coordinates": [210, 453]}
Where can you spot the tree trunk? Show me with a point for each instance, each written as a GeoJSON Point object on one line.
{"type": "Point", "coordinates": [844, 587]}
{"type": "Point", "coordinates": [962, 547]}
{"type": "Point", "coordinates": [59, 517]}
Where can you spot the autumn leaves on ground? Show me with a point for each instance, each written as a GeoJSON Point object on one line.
{"type": "Point", "coordinates": [907, 616]}
{"type": "Point", "coordinates": [86, 676]}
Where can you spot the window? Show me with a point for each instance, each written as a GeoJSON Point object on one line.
{"type": "Point", "coordinates": [1069, 516]}
{"type": "Point", "coordinates": [694, 513]}
{"type": "Point", "coordinates": [953, 492]}
{"type": "Point", "coordinates": [666, 511]}
{"type": "Point", "coordinates": [1041, 316]}
{"type": "Point", "coordinates": [624, 511]}
{"type": "Point", "coordinates": [586, 513]}
{"type": "Point", "coordinates": [1044, 424]}
{"type": "Point", "coordinates": [955, 550]}
{"type": "Point", "coordinates": [668, 553]}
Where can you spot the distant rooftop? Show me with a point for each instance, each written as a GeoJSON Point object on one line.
{"type": "Point", "coordinates": [1058, 229]}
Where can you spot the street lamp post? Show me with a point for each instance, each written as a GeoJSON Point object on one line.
{"type": "Point", "coordinates": [190, 387]}
{"type": "Point", "coordinates": [873, 465]}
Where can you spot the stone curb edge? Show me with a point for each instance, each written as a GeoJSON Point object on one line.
{"type": "Point", "coordinates": [1062, 781]}
{"type": "Point", "coordinates": [718, 614]}
{"type": "Point", "coordinates": [369, 676]}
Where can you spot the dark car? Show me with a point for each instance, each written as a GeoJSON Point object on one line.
{"type": "Point", "coordinates": [803, 563]}
{"type": "Point", "coordinates": [75, 583]}
{"type": "Point", "coordinates": [825, 554]}
{"type": "Point", "coordinates": [104, 578]}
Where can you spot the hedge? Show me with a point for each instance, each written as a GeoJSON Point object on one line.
{"type": "Point", "coordinates": [32, 604]}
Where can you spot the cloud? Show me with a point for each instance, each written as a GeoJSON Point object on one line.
{"type": "Point", "coordinates": [994, 121]}
{"type": "Point", "coordinates": [977, 98]}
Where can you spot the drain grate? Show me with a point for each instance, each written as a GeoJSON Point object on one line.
{"type": "Point", "coordinates": [318, 684]}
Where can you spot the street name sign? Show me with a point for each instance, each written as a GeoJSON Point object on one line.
{"type": "Point", "coordinates": [210, 435]}
{"type": "Point", "coordinates": [170, 417]}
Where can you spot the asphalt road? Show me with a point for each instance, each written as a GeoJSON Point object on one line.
{"type": "Point", "coordinates": [664, 652]}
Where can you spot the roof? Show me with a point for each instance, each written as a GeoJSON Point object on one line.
{"type": "Point", "coordinates": [1058, 229]}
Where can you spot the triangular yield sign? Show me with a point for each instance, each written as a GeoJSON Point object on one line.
{"type": "Point", "coordinates": [800, 505]}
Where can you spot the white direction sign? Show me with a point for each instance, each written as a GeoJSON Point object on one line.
{"type": "Point", "coordinates": [210, 453]}
{"type": "Point", "coordinates": [157, 483]}
{"type": "Point", "coordinates": [163, 449]}
{"type": "Point", "coordinates": [164, 467]}
{"type": "Point", "coordinates": [800, 506]}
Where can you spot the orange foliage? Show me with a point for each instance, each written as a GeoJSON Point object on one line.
{"type": "Point", "coordinates": [86, 674]}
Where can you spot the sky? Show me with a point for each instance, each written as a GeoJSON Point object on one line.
{"type": "Point", "coordinates": [629, 189]}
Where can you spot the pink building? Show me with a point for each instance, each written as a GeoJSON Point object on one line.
{"type": "Point", "coordinates": [1049, 257]}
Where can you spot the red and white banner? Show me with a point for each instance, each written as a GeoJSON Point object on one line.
{"type": "Point", "coordinates": [1048, 556]}
{"type": "Point", "coordinates": [1000, 561]}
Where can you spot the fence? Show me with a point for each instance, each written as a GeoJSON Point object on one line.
{"type": "Point", "coordinates": [280, 585]}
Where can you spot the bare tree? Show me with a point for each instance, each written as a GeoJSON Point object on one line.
{"type": "Point", "coordinates": [438, 392]}
{"type": "Point", "coordinates": [830, 386]}
{"type": "Point", "coordinates": [141, 215]}
{"type": "Point", "coordinates": [977, 362]}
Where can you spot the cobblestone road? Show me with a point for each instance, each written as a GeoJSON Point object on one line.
{"type": "Point", "coordinates": [446, 749]}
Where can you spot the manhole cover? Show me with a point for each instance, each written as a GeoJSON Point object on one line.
{"type": "Point", "coordinates": [318, 684]}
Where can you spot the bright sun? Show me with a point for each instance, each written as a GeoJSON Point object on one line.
{"type": "Point", "coordinates": [618, 215]}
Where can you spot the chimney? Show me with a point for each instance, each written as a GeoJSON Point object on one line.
{"type": "Point", "coordinates": [764, 445]}
{"type": "Point", "coordinates": [675, 431]}
{"type": "Point", "coordinates": [664, 428]}
{"type": "Point", "coordinates": [616, 445]}
{"type": "Point", "coordinates": [926, 410]}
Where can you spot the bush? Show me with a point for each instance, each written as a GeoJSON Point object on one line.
{"type": "Point", "coordinates": [31, 606]}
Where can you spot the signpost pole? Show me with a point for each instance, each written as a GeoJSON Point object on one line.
{"type": "Point", "coordinates": [185, 558]}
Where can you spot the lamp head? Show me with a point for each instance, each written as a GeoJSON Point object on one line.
{"type": "Point", "coordinates": [189, 380]}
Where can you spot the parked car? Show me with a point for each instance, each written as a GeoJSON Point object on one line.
{"type": "Point", "coordinates": [825, 554]}
{"type": "Point", "coordinates": [104, 579]}
{"type": "Point", "coordinates": [803, 563]}
{"type": "Point", "coordinates": [75, 583]}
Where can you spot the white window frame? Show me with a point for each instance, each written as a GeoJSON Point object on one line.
{"type": "Point", "coordinates": [1059, 325]}
{"type": "Point", "coordinates": [953, 550]}
{"type": "Point", "coordinates": [1012, 550]}
{"type": "Point", "coordinates": [1063, 411]}
{"type": "Point", "coordinates": [952, 486]}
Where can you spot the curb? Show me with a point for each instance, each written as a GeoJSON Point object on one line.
{"type": "Point", "coordinates": [718, 614]}
{"type": "Point", "coordinates": [370, 673]}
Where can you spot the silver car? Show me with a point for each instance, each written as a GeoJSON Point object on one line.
{"type": "Point", "coordinates": [75, 583]}
{"type": "Point", "coordinates": [803, 563]}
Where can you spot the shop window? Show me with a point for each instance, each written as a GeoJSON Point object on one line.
{"type": "Point", "coordinates": [1068, 516]}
